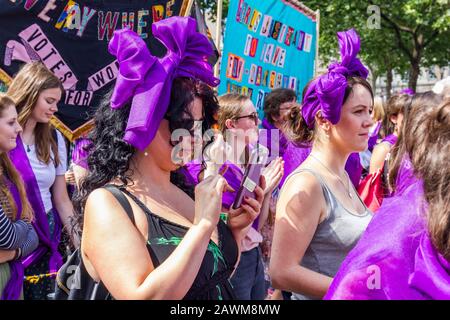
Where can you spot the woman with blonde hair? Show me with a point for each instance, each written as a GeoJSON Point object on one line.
{"type": "Point", "coordinates": [40, 156]}
{"type": "Point", "coordinates": [17, 236]}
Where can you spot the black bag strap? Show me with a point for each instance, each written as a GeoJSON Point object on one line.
{"type": "Point", "coordinates": [122, 200]}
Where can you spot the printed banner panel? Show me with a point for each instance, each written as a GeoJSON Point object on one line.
{"type": "Point", "coordinates": [268, 44]}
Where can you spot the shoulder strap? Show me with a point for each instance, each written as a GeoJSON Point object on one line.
{"type": "Point", "coordinates": [122, 200]}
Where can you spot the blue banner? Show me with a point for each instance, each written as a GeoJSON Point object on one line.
{"type": "Point", "coordinates": [268, 44]}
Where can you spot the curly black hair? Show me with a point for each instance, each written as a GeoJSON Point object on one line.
{"type": "Point", "coordinates": [110, 156]}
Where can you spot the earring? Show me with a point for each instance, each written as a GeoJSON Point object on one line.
{"type": "Point", "coordinates": [145, 153]}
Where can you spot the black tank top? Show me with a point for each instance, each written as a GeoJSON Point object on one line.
{"type": "Point", "coordinates": [212, 281]}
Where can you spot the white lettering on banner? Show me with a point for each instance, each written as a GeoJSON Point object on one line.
{"type": "Point", "coordinates": [265, 29]}
{"type": "Point", "coordinates": [248, 44]}
{"type": "Point", "coordinates": [35, 37]}
{"type": "Point", "coordinates": [103, 77]}
{"type": "Point", "coordinates": [48, 7]}
{"type": "Point", "coordinates": [282, 58]}
{"type": "Point", "coordinates": [78, 98]}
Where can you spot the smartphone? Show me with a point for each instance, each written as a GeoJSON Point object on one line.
{"type": "Point", "coordinates": [258, 156]}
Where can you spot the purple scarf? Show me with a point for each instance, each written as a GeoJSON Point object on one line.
{"type": "Point", "coordinates": [374, 136]}
{"type": "Point", "coordinates": [46, 243]}
{"type": "Point", "coordinates": [14, 286]}
{"type": "Point", "coordinates": [392, 139]}
{"type": "Point", "coordinates": [79, 154]}
{"type": "Point", "coordinates": [397, 248]}
{"type": "Point", "coordinates": [326, 93]}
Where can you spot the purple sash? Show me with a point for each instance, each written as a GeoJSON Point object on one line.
{"type": "Point", "coordinates": [14, 285]}
{"type": "Point", "coordinates": [46, 243]}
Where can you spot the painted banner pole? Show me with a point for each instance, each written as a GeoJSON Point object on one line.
{"type": "Point", "coordinates": [187, 13]}
{"type": "Point", "coordinates": [218, 35]}
{"type": "Point", "coordinates": [316, 64]}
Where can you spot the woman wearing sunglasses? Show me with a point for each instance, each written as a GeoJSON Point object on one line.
{"type": "Point", "coordinates": [238, 123]}
{"type": "Point", "coordinates": [178, 248]}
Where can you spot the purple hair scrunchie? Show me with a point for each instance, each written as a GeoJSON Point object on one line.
{"type": "Point", "coordinates": [326, 93]}
{"type": "Point", "coordinates": [147, 80]}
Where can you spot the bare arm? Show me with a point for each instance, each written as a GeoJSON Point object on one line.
{"type": "Point", "coordinates": [378, 156]}
{"type": "Point", "coordinates": [118, 252]}
{"type": "Point", "coordinates": [299, 211]}
{"type": "Point", "coordinates": [79, 173]}
{"type": "Point", "coordinates": [64, 206]}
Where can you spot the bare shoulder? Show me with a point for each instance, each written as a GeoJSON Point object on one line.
{"type": "Point", "coordinates": [302, 194]}
{"type": "Point", "coordinates": [104, 216]}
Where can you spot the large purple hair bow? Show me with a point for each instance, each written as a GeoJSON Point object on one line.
{"type": "Point", "coordinates": [327, 92]}
{"type": "Point", "coordinates": [147, 80]}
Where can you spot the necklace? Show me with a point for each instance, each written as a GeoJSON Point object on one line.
{"type": "Point", "coordinates": [347, 188]}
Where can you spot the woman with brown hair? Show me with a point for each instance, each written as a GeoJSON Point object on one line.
{"type": "Point", "coordinates": [320, 216]}
{"type": "Point", "coordinates": [17, 236]}
{"type": "Point", "coordinates": [40, 157]}
{"type": "Point", "coordinates": [395, 110]}
{"type": "Point", "coordinates": [405, 252]}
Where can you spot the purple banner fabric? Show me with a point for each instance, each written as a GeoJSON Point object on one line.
{"type": "Point", "coordinates": [394, 259]}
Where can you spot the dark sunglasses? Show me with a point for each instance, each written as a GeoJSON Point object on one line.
{"type": "Point", "coordinates": [252, 115]}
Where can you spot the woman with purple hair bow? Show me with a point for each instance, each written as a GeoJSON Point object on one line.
{"type": "Point", "coordinates": [178, 248]}
{"type": "Point", "coordinates": [320, 216]}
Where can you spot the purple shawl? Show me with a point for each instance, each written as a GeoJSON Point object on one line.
{"type": "Point", "coordinates": [46, 243]}
{"type": "Point", "coordinates": [394, 259]}
{"type": "Point", "coordinates": [405, 176]}
{"type": "Point", "coordinates": [14, 286]}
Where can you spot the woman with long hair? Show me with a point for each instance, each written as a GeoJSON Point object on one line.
{"type": "Point", "coordinates": [17, 237]}
{"type": "Point", "coordinates": [178, 247]}
{"type": "Point", "coordinates": [320, 216]}
{"type": "Point", "coordinates": [40, 157]}
{"type": "Point", "coordinates": [405, 252]}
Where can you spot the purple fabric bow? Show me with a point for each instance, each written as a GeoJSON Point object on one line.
{"type": "Point", "coordinates": [327, 92]}
{"type": "Point", "coordinates": [148, 79]}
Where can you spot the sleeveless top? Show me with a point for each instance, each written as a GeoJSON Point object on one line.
{"type": "Point", "coordinates": [334, 238]}
{"type": "Point", "coordinates": [212, 280]}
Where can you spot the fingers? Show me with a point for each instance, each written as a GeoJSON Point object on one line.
{"type": "Point", "coordinates": [262, 185]}
{"type": "Point", "coordinates": [253, 203]}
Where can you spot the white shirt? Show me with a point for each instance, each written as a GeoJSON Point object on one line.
{"type": "Point", "coordinates": [46, 173]}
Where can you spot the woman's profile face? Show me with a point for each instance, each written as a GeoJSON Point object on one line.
{"type": "Point", "coordinates": [176, 148]}
{"type": "Point", "coordinates": [46, 105]}
{"type": "Point", "coordinates": [351, 133]}
{"type": "Point", "coordinates": [9, 128]}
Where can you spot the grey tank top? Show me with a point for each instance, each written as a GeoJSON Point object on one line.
{"type": "Point", "coordinates": [335, 236]}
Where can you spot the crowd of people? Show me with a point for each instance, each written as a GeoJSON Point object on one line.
{"type": "Point", "coordinates": [148, 198]}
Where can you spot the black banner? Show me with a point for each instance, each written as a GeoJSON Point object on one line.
{"type": "Point", "coordinates": [71, 38]}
